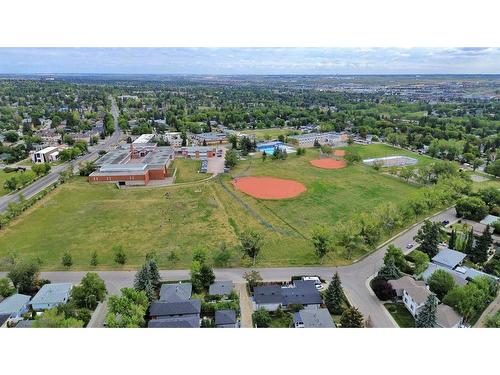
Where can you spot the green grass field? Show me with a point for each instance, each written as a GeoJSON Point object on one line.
{"type": "Point", "coordinates": [187, 170]}
{"type": "Point", "coordinates": [80, 218]}
{"type": "Point", "coordinates": [265, 134]}
{"type": "Point", "coordinates": [3, 177]}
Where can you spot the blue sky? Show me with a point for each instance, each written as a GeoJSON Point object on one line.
{"type": "Point", "coordinates": [470, 60]}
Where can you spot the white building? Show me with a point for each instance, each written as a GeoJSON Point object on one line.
{"type": "Point", "coordinates": [413, 293]}
{"type": "Point", "coordinates": [46, 155]}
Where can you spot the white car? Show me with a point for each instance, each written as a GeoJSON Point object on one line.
{"type": "Point", "coordinates": [317, 281]}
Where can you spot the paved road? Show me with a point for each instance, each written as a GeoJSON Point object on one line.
{"type": "Point", "coordinates": [354, 277]}
{"type": "Point", "coordinates": [53, 176]}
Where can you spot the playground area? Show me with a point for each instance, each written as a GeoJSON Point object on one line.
{"type": "Point", "coordinates": [269, 187]}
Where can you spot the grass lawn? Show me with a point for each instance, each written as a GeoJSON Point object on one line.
{"type": "Point", "coordinates": [264, 134]}
{"type": "Point", "coordinates": [281, 320]}
{"type": "Point", "coordinates": [400, 314]}
{"type": "Point", "coordinates": [187, 170]}
{"type": "Point", "coordinates": [3, 177]}
{"type": "Point", "coordinates": [80, 218]}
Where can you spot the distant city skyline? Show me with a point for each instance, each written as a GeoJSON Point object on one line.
{"type": "Point", "coordinates": [464, 60]}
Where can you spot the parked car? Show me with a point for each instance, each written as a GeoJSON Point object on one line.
{"type": "Point", "coordinates": [409, 246]}
{"type": "Point", "coordinates": [445, 222]}
{"type": "Point", "coordinates": [317, 281]}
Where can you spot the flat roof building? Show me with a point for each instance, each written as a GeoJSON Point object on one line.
{"type": "Point", "coordinates": [51, 295]}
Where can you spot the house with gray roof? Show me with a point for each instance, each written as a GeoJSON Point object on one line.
{"type": "Point", "coordinates": [490, 219]}
{"type": "Point", "coordinates": [301, 292]}
{"type": "Point", "coordinates": [163, 310]}
{"type": "Point", "coordinates": [313, 318]}
{"type": "Point", "coordinates": [51, 295]}
{"type": "Point", "coordinates": [192, 321]}
{"type": "Point", "coordinates": [446, 317]}
{"type": "Point", "coordinates": [226, 319]}
{"type": "Point", "coordinates": [176, 292]}
{"type": "Point", "coordinates": [449, 258]}
{"type": "Point", "coordinates": [411, 292]}
{"type": "Point", "coordinates": [221, 288]}
{"type": "Point", "coordinates": [15, 306]}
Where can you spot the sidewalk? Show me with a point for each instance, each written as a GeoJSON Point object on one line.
{"type": "Point", "coordinates": [245, 306]}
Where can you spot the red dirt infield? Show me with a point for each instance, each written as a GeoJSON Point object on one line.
{"type": "Point", "coordinates": [329, 163]}
{"type": "Point", "coordinates": [269, 187]}
{"type": "Point", "coordinates": [339, 152]}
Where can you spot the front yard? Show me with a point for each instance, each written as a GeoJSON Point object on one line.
{"type": "Point", "coordinates": [400, 314]}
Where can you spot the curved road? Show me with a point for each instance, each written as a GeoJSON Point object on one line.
{"type": "Point", "coordinates": [53, 176]}
{"type": "Point", "coordinates": [354, 277]}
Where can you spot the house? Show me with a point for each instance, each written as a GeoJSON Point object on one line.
{"type": "Point", "coordinates": [431, 268]}
{"type": "Point", "coordinates": [15, 307]}
{"type": "Point", "coordinates": [221, 288]}
{"type": "Point", "coordinates": [313, 318]}
{"type": "Point", "coordinates": [490, 219]}
{"type": "Point", "coordinates": [46, 155]}
{"type": "Point", "coordinates": [413, 293]}
{"type": "Point", "coordinates": [226, 319]}
{"type": "Point", "coordinates": [446, 317]}
{"type": "Point", "coordinates": [208, 138]}
{"type": "Point", "coordinates": [197, 152]}
{"type": "Point", "coordinates": [175, 292]}
{"type": "Point", "coordinates": [448, 258]}
{"type": "Point", "coordinates": [164, 310]}
{"type": "Point", "coordinates": [301, 292]}
{"type": "Point", "coordinates": [176, 322]}
{"type": "Point", "coordinates": [51, 295]}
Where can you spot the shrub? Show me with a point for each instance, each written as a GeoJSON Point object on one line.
{"type": "Point", "coordinates": [441, 282]}
{"type": "Point", "coordinates": [382, 289]}
{"type": "Point", "coordinates": [120, 256]}
{"type": "Point", "coordinates": [67, 260]}
{"type": "Point", "coordinates": [261, 318]}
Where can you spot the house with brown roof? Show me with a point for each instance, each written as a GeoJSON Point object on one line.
{"type": "Point", "coordinates": [411, 292]}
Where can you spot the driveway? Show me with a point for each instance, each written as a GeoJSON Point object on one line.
{"type": "Point", "coordinates": [354, 276]}
{"type": "Point", "coordinates": [216, 163]}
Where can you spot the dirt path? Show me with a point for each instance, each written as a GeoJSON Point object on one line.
{"type": "Point", "coordinates": [245, 306]}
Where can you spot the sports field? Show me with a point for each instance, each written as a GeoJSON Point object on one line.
{"type": "Point", "coordinates": [80, 218]}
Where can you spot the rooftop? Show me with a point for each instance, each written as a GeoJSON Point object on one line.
{"type": "Point", "coordinates": [417, 290]}
{"type": "Point", "coordinates": [52, 294]}
{"type": "Point", "coordinates": [446, 317]}
{"type": "Point", "coordinates": [176, 322]}
{"type": "Point", "coordinates": [189, 307]}
{"type": "Point", "coordinates": [489, 219]}
{"type": "Point", "coordinates": [314, 318]}
{"type": "Point", "coordinates": [223, 317]}
{"type": "Point", "coordinates": [175, 292]}
{"type": "Point", "coordinates": [449, 258]}
{"type": "Point", "coordinates": [13, 303]}
{"type": "Point", "coordinates": [222, 288]}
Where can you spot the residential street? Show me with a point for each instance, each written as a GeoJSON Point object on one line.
{"type": "Point", "coordinates": [353, 277]}
{"type": "Point", "coordinates": [53, 176]}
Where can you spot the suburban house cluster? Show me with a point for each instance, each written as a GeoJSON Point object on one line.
{"type": "Point", "coordinates": [413, 293]}
{"type": "Point", "coordinates": [300, 292]}
{"type": "Point", "coordinates": [176, 309]}
{"type": "Point", "coordinates": [14, 308]}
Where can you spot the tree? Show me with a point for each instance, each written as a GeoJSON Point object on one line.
{"type": "Point", "coordinates": [441, 282]}
{"type": "Point", "coordinates": [472, 208]}
{"type": "Point", "coordinates": [322, 242]}
{"type": "Point", "coordinates": [67, 260]}
{"type": "Point", "coordinates": [352, 157]}
{"type": "Point", "coordinates": [493, 266]}
{"type": "Point", "coordinates": [91, 290]}
{"type": "Point", "coordinates": [468, 248]}
{"type": "Point", "coordinates": [407, 174]}
{"type": "Point", "coordinates": [334, 295]}
{"type": "Point", "coordinates": [264, 155]}
{"type": "Point", "coordinates": [261, 318]}
{"type": "Point", "coordinates": [200, 255]}
{"type": "Point", "coordinates": [127, 310]}
{"type": "Point", "coordinates": [389, 271]}
{"type": "Point", "coordinates": [480, 251]}
{"type": "Point", "coordinates": [493, 168]}
{"type": "Point", "coordinates": [6, 289]}
{"type": "Point", "coordinates": [252, 278]}
{"type": "Point", "coordinates": [351, 318]}
{"type": "Point", "coordinates": [426, 317]}
{"type": "Point", "coordinates": [202, 275]}
{"type": "Point", "coordinates": [397, 255]}
{"type": "Point", "coordinates": [87, 168]}
{"type": "Point", "coordinates": [233, 140]}
{"type": "Point", "coordinates": [493, 321]}
{"type": "Point", "coordinates": [382, 289]}
{"type": "Point", "coordinates": [428, 237]}
{"type": "Point", "coordinates": [41, 169]}
{"type": "Point", "coordinates": [231, 158]}
{"type": "Point", "coordinates": [453, 239]}
{"type": "Point", "coordinates": [251, 243]}
{"type": "Point", "coordinates": [94, 261]}
{"type": "Point", "coordinates": [24, 276]}
{"type": "Point", "coordinates": [120, 256]}
{"type": "Point", "coordinates": [147, 279]}
{"type": "Point", "coordinates": [420, 260]}
{"type": "Point", "coordinates": [222, 255]}
{"type": "Point", "coordinates": [53, 319]}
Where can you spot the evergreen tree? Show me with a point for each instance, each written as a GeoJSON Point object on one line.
{"type": "Point", "coordinates": [93, 259]}
{"type": "Point", "coordinates": [453, 240]}
{"type": "Point", "coordinates": [427, 316]}
{"type": "Point", "coordinates": [154, 274]}
{"type": "Point", "coordinates": [334, 295]}
{"type": "Point", "coordinates": [142, 281]}
{"type": "Point", "coordinates": [480, 251]}
{"type": "Point", "coordinates": [389, 271]}
{"type": "Point", "coordinates": [469, 242]}
{"type": "Point", "coordinates": [428, 238]}
{"type": "Point", "coordinates": [351, 318]}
